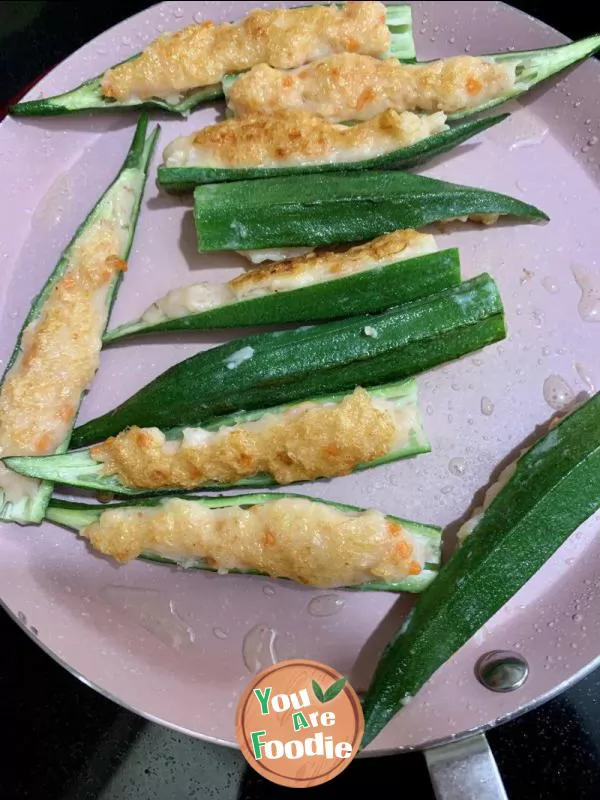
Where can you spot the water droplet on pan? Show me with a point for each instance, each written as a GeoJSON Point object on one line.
{"type": "Point", "coordinates": [457, 466]}
{"type": "Point", "coordinates": [589, 303]}
{"type": "Point", "coordinates": [325, 605]}
{"type": "Point", "coordinates": [258, 648]}
{"type": "Point", "coordinates": [557, 392]}
{"type": "Point", "coordinates": [487, 406]}
{"type": "Point", "coordinates": [585, 376]}
{"type": "Point", "coordinates": [550, 285]}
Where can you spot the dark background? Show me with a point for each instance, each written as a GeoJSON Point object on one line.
{"type": "Point", "coordinates": [63, 741]}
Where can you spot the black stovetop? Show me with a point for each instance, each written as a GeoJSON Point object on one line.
{"type": "Point", "coordinates": [64, 741]}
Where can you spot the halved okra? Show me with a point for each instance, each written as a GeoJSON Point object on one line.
{"type": "Point", "coordinates": [388, 271]}
{"type": "Point", "coordinates": [179, 71]}
{"type": "Point", "coordinates": [267, 369]}
{"type": "Point", "coordinates": [321, 209]}
{"type": "Point", "coordinates": [58, 348]}
{"type": "Point", "coordinates": [322, 437]}
{"type": "Point", "coordinates": [351, 86]}
{"type": "Point", "coordinates": [536, 505]}
{"type": "Point", "coordinates": [312, 542]}
{"type": "Point", "coordinates": [293, 143]}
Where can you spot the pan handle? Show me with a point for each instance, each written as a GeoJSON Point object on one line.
{"type": "Point", "coordinates": [465, 770]}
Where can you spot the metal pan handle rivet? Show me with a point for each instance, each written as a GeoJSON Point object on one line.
{"type": "Point", "coordinates": [501, 670]}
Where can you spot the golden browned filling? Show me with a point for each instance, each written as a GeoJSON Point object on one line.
{"type": "Point", "coordinates": [292, 274]}
{"type": "Point", "coordinates": [60, 352]}
{"type": "Point", "coordinates": [201, 55]}
{"type": "Point", "coordinates": [296, 137]}
{"type": "Point", "coordinates": [305, 442]}
{"type": "Point", "coordinates": [310, 543]}
{"type": "Point", "coordinates": [357, 87]}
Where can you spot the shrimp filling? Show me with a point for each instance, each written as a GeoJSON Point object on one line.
{"type": "Point", "coordinates": [60, 349]}
{"type": "Point", "coordinates": [305, 442]}
{"type": "Point", "coordinates": [349, 86]}
{"type": "Point", "coordinates": [292, 274]}
{"type": "Point", "coordinates": [296, 137]}
{"type": "Point", "coordinates": [308, 542]}
{"type": "Point", "coordinates": [201, 55]}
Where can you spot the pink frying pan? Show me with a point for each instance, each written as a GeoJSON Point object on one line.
{"type": "Point", "coordinates": [179, 648]}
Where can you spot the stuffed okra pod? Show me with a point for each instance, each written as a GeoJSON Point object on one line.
{"type": "Point", "coordinates": [321, 209]}
{"type": "Point", "coordinates": [294, 142]}
{"type": "Point", "coordinates": [322, 437]}
{"type": "Point", "coordinates": [267, 369]}
{"type": "Point", "coordinates": [388, 271]}
{"type": "Point", "coordinates": [536, 505]}
{"type": "Point", "coordinates": [313, 542]}
{"type": "Point", "coordinates": [58, 349]}
{"type": "Point", "coordinates": [178, 71]}
{"type": "Point", "coordinates": [354, 86]}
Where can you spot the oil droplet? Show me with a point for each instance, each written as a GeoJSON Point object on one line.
{"type": "Point", "coordinates": [220, 633]}
{"type": "Point", "coordinates": [153, 611]}
{"type": "Point", "coordinates": [178, 13]}
{"type": "Point", "coordinates": [468, 48]}
{"type": "Point", "coordinates": [550, 285]}
{"type": "Point", "coordinates": [557, 392]}
{"type": "Point", "coordinates": [530, 141]}
{"type": "Point", "coordinates": [198, 16]}
{"type": "Point", "coordinates": [585, 377]}
{"type": "Point", "coordinates": [34, 630]}
{"type": "Point", "coordinates": [446, 490]}
{"type": "Point", "coordinates": [589, 303]}
{"type": "Point", "coordinates": [325, 605]}
{"type": "Point", "coordinates": [258, 648]}
{"type": "Point", "coordinates": [592, 141]}
{"type": "Point", "coordinates": [487, 407]}
{"type": "Point", "coordinates": [21, 617]}
{"type": "Point", "coordinates": [546, 351]}
{"type": "Point", "coordinates": [451, 39]}
{"type": "Point", "coordinates": [577, 618]}
{"type": "Point", "coordinates": [269, 590]}
{"type": "Point", "coordinates": [457, 466]}
{"type": "Point", "coordinates": [429, 410]}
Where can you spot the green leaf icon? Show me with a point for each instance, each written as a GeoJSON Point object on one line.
{"type": "Point", "coordinates": [335, 688]}
{"type": "Point", "coordinates": [331, 693]}
{"type": "Point", "coordinates": [318, 692]}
